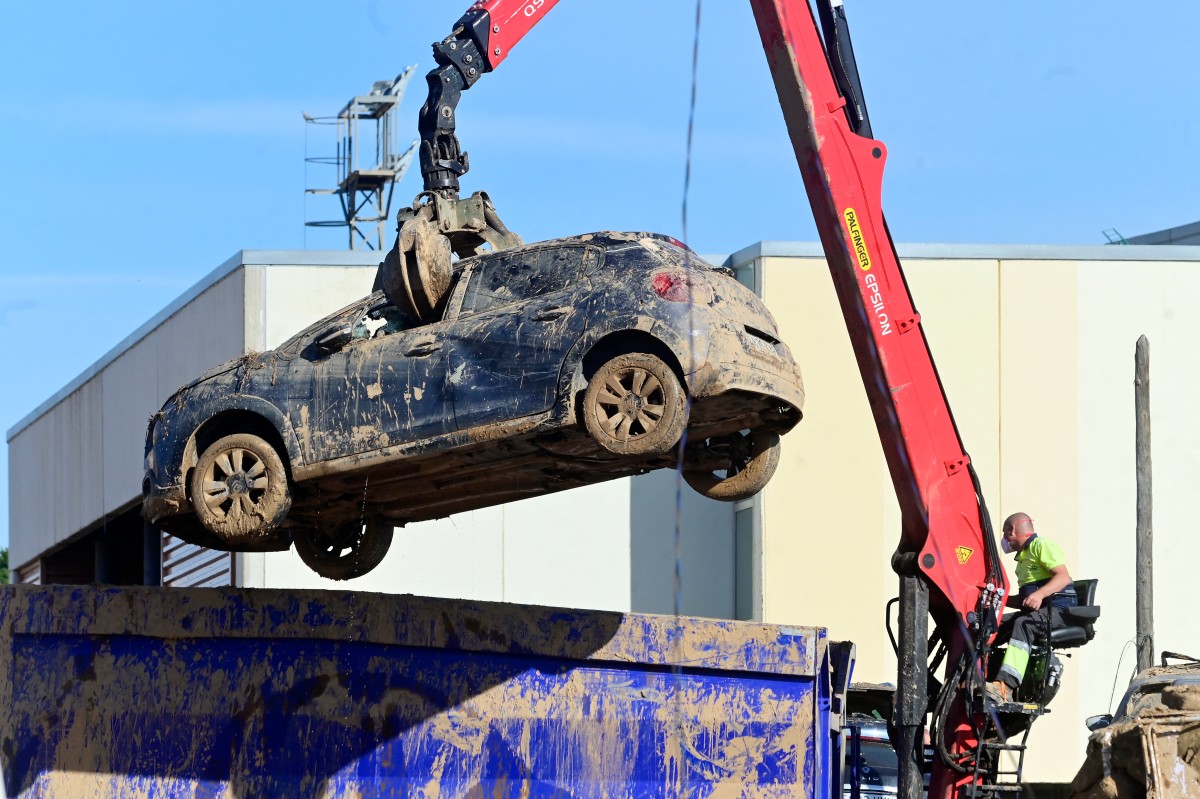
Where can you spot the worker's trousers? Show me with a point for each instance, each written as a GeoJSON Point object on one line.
{"type": "Point", "coordinates": [1025, 628]}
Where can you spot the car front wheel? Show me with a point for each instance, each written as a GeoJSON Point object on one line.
{"type": "Point", "coordinates": [635, 405]}
{"type": "Point", "coordinates": [345, 552]}
{"type": "Point", "coordinates": [240, 490]}
{"type": "Point", "coordinates": [733, 467]}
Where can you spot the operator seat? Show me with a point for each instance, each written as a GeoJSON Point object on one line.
{"type": "Point", "coordinates": [1080, 618]}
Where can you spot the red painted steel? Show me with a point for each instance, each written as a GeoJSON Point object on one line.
{"type": "Point", "coordinates": [509, 21]}
{"type": "Point", "coordinates": [843, 175]}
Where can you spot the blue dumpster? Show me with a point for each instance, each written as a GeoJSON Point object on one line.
{"type": "Point", "coordinates": [148, 693]}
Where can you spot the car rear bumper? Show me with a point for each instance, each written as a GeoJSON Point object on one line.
{"type": "Point", "coordinates": [739, 361]}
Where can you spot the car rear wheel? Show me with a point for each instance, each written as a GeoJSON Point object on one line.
{"type": "Point", "coordinates": [348, 551]}
{"type": "Point", "coordinates": [733, 467]}
{"type": "Point", "coordinates": [240, 490]}
{"type": "Point", "coordinates": [634, 405]}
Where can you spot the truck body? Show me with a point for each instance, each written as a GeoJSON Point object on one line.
{"type": "Point", "coordinates": [143, 692]}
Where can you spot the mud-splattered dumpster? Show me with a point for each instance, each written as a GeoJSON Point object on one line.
{"type": "Point", "coordinates": [260, 693]}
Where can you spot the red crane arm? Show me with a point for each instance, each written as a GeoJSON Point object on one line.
{"type": "Point", "coordinates": [945, 532]}
{"type": "Point", "coordinates": [508, 22]}
{"type": "Point", "coordinates": [843, 175]}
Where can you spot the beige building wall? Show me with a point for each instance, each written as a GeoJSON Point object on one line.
{"type": "Point", "coordinates": [1035, 350]}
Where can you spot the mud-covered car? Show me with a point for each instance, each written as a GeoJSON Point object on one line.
{"type": "Point", "coordinates": [549, 366]}
{"type": "Point", "coordinates": [876, 770]}
{"type": "Point", "coordinates": [1150, 747]}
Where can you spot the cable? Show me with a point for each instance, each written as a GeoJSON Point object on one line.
{"type": "Point", "coordinates": [687, 180]}
{"type": "Point", "coordinates": [677, 668]}
{"type": "Point", "coordinates": [1117, 671]}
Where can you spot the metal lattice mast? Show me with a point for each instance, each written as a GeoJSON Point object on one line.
{"type": "Point", "coordinates": [366, 175]}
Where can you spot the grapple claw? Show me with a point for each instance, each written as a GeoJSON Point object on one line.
{"type": "Point", "coordinates": [416, 272]}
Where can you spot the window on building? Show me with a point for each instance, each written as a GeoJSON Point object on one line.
{"type": "Point", "coordinates": [747, 275]}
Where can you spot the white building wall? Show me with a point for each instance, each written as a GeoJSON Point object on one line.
{"type": "Point", "coordinates": [78, 457]}
{"type": "Point", "coordinates": [56, 469]}
{"type": "Point", "coordinates": [705, 542]}
{"type": "Point", "coordinates": [569, 550]}
{"type": "Point", "coordinates": [282, 300]}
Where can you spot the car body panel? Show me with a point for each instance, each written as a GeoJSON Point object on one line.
{"type": "Point", "coordinates": [506, 355]}
{"type": "Point", "coordinates": [1148, 747]}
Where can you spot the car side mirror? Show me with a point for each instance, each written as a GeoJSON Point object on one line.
{"type": "Point", "coordinates": [1094, 723]}
{"type": "Point", "coordinates": [333, 339]}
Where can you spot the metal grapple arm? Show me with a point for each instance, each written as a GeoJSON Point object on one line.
{"type": "Point", "coordinates": [480, 40]}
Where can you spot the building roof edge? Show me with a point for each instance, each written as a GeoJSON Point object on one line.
{"type": "Point", "coordinates": [242, 258]}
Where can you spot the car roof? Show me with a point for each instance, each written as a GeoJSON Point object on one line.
{"type": "Point", "coordinates": [602, 238]}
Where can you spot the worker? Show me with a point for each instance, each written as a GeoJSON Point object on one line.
{"type": "Point", "coordinates": [1044, 587]}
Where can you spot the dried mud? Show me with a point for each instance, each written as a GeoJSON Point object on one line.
{"type": "Point", "coordinates": [1155, 754]}
{"type": "Point", "coordinates": [243, 693]}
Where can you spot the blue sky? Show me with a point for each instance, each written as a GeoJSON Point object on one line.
{"type": "Point", "coordinates": [145, 143]}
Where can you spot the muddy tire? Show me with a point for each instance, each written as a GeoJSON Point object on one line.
{"type": "Point", "coordinates": [346, 552]}
{"type": "Point", "coordinates": [634, 405]}
{"type": "Point", "coordinates": [239, 491]}
{"type": "Point", "coordinates": [733, 467]}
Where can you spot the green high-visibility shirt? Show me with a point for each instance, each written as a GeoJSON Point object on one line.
{"type": "Point", "coordinates": [1036, 562]}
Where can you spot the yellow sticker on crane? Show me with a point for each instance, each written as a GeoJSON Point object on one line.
{"type": "Point", "coordinates": [856, 238]}
{"type": "Point", "coordinates": [964, 554]}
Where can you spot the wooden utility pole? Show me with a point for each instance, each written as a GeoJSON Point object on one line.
{"type": "Point", "coordinates": [1145, 530]}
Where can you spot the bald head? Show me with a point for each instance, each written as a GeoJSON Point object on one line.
{"type": "Point", "coordinates": [1020, 522]}
{"type": "Point", "coordinates": [1017, 530]}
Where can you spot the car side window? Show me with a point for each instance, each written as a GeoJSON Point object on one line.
{"type": "Point", "coordinates": [506, 278]}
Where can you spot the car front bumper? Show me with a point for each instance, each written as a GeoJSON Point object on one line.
{"type": "Point", "coordinates": [160, 502]}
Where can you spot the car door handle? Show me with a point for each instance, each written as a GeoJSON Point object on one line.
{"type": "Point", "coordinates": [546, 314]}
{"type": "Point", "coordinates": [423, 347]}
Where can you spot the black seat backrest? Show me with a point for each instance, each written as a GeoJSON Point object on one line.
{"type": "Point", "coordinates": [1080, 619]}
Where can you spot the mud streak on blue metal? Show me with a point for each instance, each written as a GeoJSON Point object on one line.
{"type": "Point", "coordinates": [482, 708]}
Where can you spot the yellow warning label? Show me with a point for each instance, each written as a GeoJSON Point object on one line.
{"type": "Point", "coordinates": [856, 238]}
{"type": "Point", "coordinates": [964, 554]}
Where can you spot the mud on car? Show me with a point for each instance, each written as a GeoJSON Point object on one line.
{"type": "Point", "coordinates": [546, 367]}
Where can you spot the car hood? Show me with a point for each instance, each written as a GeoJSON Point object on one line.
{"type": "Point", "coordinates": [224, 368]}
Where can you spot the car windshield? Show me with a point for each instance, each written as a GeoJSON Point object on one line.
{"type": "Point", "coordinates": [1148, 695]}
{"type": "Point", "coordinates": [365, 318]}
{"type": "Point", "coordinates": [878, 767]}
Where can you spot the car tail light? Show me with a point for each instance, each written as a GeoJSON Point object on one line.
{"type": "Point", "coordinates": [680, 287]}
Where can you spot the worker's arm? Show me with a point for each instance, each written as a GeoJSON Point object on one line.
{"type": "Point", "coordinates": [1059, 579]}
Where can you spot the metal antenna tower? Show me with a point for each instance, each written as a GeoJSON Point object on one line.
{"type": "Point", "coordinates": [366, 193]}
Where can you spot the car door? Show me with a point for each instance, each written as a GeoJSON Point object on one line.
{"type": "Point", "coordinates": [520, 314]}
{"type": "Point", "coordinates": [378, 381]}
